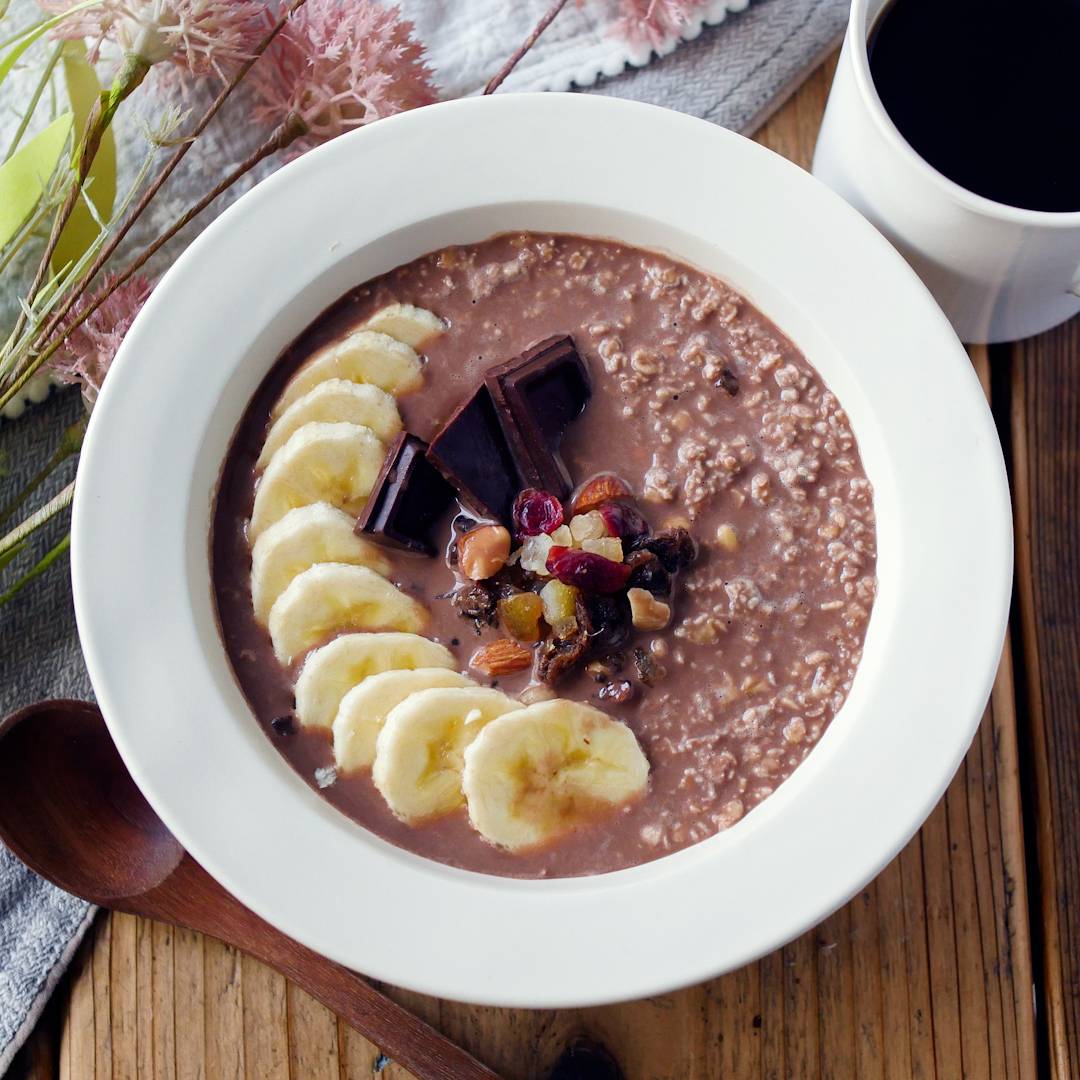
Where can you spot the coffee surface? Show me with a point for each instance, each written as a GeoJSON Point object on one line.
{"type": "Point", "coordinates": [714, 419]}
{"type": "Point", "coordinates": [985, 91]}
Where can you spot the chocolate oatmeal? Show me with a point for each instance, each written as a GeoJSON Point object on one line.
{"type": "Point", "coordinates": [709, 477]}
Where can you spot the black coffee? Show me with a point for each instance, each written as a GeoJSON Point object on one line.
{"type": "Point", "coordinates": [988, 92]}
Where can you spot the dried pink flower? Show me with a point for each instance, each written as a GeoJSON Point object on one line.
{"type": "Point", "coordinates": [338, 65]}
{"type": "Point", "coordinates": [85, 356]}
{"type": "Point", "coordinates": [195, 35]}
{"type": "Point", "coordinates": [655, 21]}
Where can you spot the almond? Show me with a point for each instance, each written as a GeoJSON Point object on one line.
{"type": "Point", "coordinates": [483, 551]}
{"type": "Point", "coordinates": [600, 489]}
{"type": "Point", "coordinates": [501, 657]}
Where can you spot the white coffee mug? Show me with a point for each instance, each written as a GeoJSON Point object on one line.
{"type": "Point", "coordinates": [999, 272]}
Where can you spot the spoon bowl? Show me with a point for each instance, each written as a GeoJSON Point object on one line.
{"type": "Point", "coordinates": [71, 811]}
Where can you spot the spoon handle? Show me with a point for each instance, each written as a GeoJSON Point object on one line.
{"type": "Point", "coordinates": [190, 897]}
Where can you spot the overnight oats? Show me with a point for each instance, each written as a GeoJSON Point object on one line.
{"type": "Point", "coordinates": [544, 556]}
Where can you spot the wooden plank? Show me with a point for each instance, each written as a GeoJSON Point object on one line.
{"type": "Point", "coordinates": [1046, 491]}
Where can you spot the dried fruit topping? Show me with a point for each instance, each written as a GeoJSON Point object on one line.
{"type": "Point", "coordinates": [600, 489]}
{"type": "Point", "coordinates": [608, 546]}
{"type": "Point", "coordinates": [610, 619]}
{"type": "Point", "coordinates": [283, 725]}
{"type": "Point", "coordinates": [675, 548]}
{"type": "Point", "coordinates": [728, 382]}
{"type": "Point", "coordinates": [502, 657]}
{"type": "Point", "coordinates": [483, 551]}
{"type": "Point", "coordinates": [475, 602]}
{"type": "Point", "coordinates": [519, 615]}
{"type": "Point", "coordinates": [618, 693]}
{"type": "Point", "coordinates": [586, 570]}
{"type": "Point", "coordinates": [647, 572]}
{"type": "Point", "coordinates": [563, 653]}
{"type": "Point", "coordinates": [559, 602]}
{"type": "Point", "coordinates": [588, 526]}
{"type": "Point", "coordinates": [648, 670]}
{"type": "Point", "coordinates": [536, 512]}
{"type": "Point", "coordinates": [623, 520]}
{"type": "Point", "coordinates": [646, 611]}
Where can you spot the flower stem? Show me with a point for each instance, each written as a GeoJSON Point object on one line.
{"type": "Point", "coordinates": [163, 175]}
{"type": "Point", "coordinates": [35, 97]}
{"type": "Point", "coordinates": [549, 17]}
{"type": "Point", "coordinates": [38, 568]}
{"type": "Point", "coordinates": [290, 129]}
{"type": "Point", "coordinates": [59, 502]}
{"type": "Point", "coordinates": [70, 443]}
{"type": "Point", "coordinates": [127, 79]}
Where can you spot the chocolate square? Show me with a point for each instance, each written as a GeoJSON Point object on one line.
{"type": "Point", "coordinates": [471, 451]}
{"type": "Point", "coordinates": [538, 395]}
{"type": "Point", "coordinates": [408, 498]}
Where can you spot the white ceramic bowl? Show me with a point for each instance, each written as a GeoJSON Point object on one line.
{"type": "Point", "coordinates": [460, 172]}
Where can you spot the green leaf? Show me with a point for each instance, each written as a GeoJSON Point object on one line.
{"type": "Point", "coordinates": [38, 568]}
{"type": "Point", "coordinates": [12, 554]}
{"type": "Point", "coordinates": [82, 228]}
{"type": "Point", "coordinates": [24, 175]}
{"type": "Point", "coordinates": [24, 40]}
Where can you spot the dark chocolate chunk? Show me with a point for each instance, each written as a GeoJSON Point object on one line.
{"type": "Point", "coordinates": [728, 382]}
{"type": "Point", "coordinates": [472, 453]}
{"type": "Point", "coordinates": [538, 395]}
{"type": "Point", "coordinates": [409, 497]}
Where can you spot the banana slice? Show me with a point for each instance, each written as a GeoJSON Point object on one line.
{"type": "Point", "coordinates": [333, 463]}
{"type": "Point", "coordinates": [330, 672]}
{"type": "Point", "coordinates": [415, 326]}
{"type": "Point", "coordinates": [303, 537]}
{"type": "Point", "coordinates": [364, 708]}
{"type": "Point", "coordinates": [329, 597]}
{"type": "Point", "coordinates": [540, 772]}
{"type": "Point", "coordinates": [365, 356]}
{"type": "Point", "coordinates": [419, 752]}
{"type": "Point", "coordinates": [331, 402]}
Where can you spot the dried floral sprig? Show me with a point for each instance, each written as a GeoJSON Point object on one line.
{"type": "Point", "coordinates": [11, 385]}
{"type": "Point", "coordinates": [337, 66]}
{"type": "Point", "coordinates": [196, 35]}
{"type": "Point", "coordinates": [655, 22]}
{"type": "Point", "coordinates": [90, 347]}
{"type": "Point", "coordinates": [545, 21]}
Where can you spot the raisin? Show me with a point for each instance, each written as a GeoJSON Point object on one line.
{"type": "Point", "coordinates": [623, 521]}
{"type": "Point", "coordinates": [728, 382]}
{"type": "Point", "coordinates": [559, 656]}
{"type": "Point", "coordinates": [647, 572]}
{"type": "Point", "coordinates": [610, 619]}
{"type": "Point", "coordinates": [675, 548]}
{"type": "Point", "coordinates": [475, 602]}
{"type": "Point", "coordinates": [647, 670]}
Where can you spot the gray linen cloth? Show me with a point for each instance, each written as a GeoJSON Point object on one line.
{"type": "Point", "coordinates": [733, 74]}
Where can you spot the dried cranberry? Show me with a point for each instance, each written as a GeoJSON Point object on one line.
{"type": "Point", "coordinates": [586, 570]}
{"type": "Point", "coordinates": [536, 512]}
{"type": "Point", "coordinates": [623, 520]}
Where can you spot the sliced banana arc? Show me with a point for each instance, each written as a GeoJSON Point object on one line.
{"type": "Point", "coordinates": [303, 537]}
{"type": "Point", "coordinates": [365, 356]}
{"type": "Point", "coordinates": [364, 709]}
{"type": "Point", "coordinates": [331, 671]}
{"type": "Point", "coordinates": [536, 774]}
{"type": "Point", "coordinates": [332, 463]}
{"type": "Point", "coordinates": [330, 597]}
{"type": "Point", "coordinates": [419, 754]}
{"type": "Point", "coordinates": [415, 326]}
{"type": "Point", "coordinates": [332, 402]}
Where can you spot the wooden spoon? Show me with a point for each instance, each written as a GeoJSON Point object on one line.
{"type": "Point", "coordinates": [71, 812]}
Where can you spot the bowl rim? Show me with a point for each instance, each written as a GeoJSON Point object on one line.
{"type": "Point", "coordinates": [855, 801]}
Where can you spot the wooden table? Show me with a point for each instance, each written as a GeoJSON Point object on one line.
{"type": "Point", "coordinates": [961, 960]}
